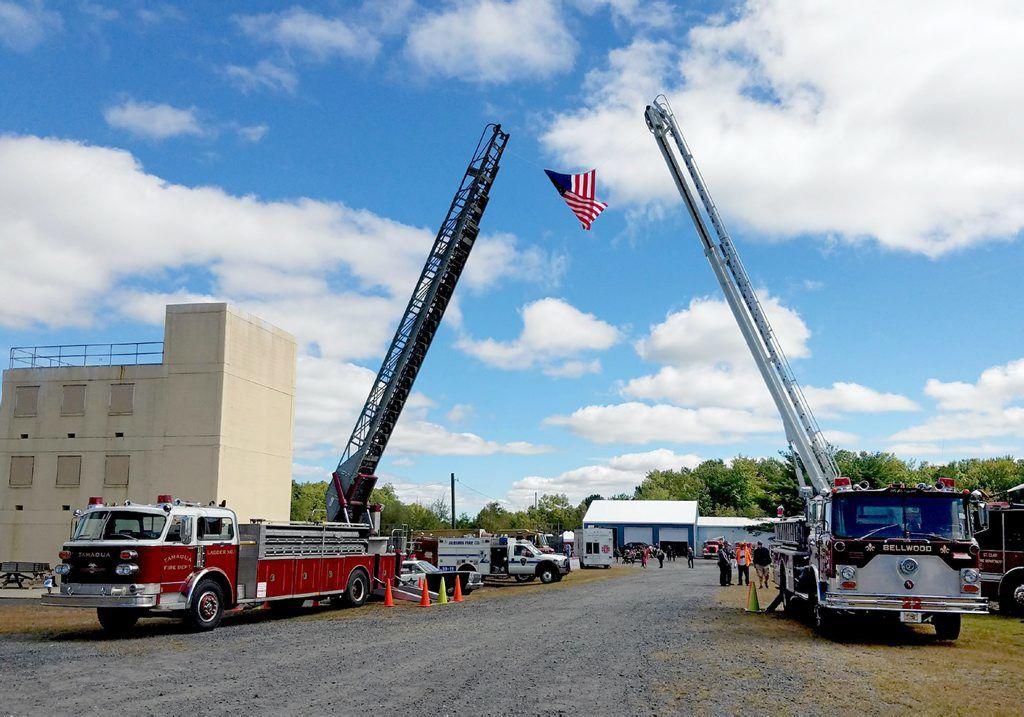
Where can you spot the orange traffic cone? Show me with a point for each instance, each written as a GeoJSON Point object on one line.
{"type": "Point", "coordinates": [458, 590]}
{"type": "Point", "coordinates": [425, 597]}
{"type": "Point", "coordinates": [389, 601]}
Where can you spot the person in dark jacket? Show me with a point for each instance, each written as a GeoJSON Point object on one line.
{"type": "Point", "coordinates": [689, 556]}
{"type": "Point", "coordinates": [724, 565]}
{"type": "Point", "coordinates": [762, 561]}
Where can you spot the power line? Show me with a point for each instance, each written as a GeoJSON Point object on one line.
{"type": "Point", "coordinates": [488, 497]}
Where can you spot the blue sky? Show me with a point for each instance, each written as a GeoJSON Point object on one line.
{"type": "Point", "coordinates": [296, 160]}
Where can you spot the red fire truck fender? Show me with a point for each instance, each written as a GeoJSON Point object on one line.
{"type": "Point", "coordinates": [189, 586]}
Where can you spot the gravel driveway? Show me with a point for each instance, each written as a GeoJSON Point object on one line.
{"type": "Point", "coordinates": [630, 642]}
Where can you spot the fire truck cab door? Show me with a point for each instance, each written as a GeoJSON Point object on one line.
{"type": "Point", "coordinates": [217, 543]}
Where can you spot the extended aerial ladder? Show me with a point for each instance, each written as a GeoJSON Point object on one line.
{"type": "Point", "coordinates": [348, 492]}
{"type": "Point", "coordinates": [813, 453]}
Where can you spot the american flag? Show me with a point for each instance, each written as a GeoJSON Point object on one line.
{"type": "Point", "coordinates": [578, 192]}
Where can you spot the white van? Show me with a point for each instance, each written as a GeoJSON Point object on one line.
{"type": "Point", "coordinates": [595, 547]}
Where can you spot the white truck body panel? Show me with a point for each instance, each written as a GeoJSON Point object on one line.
{"type": "Point", "coordinates": [595, 547]}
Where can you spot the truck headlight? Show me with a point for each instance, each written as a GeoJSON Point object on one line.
{"type": "Point", "coordinates": [126, 569]}
{"type": "Point", "coordinates": [969, 576]}
{"type": "Point", "coordinates": [62, 569]}
{"type": "Point", "coordinates": [847, 572]}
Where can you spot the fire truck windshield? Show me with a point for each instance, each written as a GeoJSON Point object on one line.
{"type": "Point", "coordinates": [870, 515]}
{"type": "Point", "coordinates": [120, 524]}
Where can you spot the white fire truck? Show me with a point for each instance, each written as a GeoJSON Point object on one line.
{"type": "Point", "coordinates": [908, 551]}
{"type": "Point", "coordinates": [177, 559]}
{"type": "Point", "coordinates": [494, 556]}
{"type": "Point", "coordinates": [595, 546]}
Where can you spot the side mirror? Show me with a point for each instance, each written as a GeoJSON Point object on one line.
{"type": "Point", "coordinates": [186, 529]}
{"type": "Point", "coordinates": [981, 516]}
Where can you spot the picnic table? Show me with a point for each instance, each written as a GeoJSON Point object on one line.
{"type": "Point", "coordinates": [17, 573]}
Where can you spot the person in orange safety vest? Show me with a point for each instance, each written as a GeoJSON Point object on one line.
{"type": "Point", "coordinates": [744, 557]}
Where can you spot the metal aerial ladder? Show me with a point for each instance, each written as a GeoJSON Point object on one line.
{"type": "Point", "coordinates": [813, 452]}
{"type": "Point", "coordinates": [348, 493]}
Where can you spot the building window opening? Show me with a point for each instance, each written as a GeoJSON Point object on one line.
{"type": "Point", "coordinates": [73, 401]}
{"type": "Point", "coordinates": [119, 434]}
{"type": "Point", "coordinates": [69, 470]}
{"type": "Point", "coordinates": [19, 507]}
{"type": "Point", "coordinates": [22, 468]}
{"type": "Point", "coordinates": [122, 398]}
{"type": "Point", "coordinates": [24, 435]}
{"type": "Point", "coordinates": [116, 471]}
{"type": "Point", "coordinates": [71, 435]}
{"type": "Point", "coordinates": [26, 400]}
{"type": "Point", "coordinates": [65, 507]}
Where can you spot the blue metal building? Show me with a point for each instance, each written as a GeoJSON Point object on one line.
{"type": "Point", "coordinates": [669, 523]}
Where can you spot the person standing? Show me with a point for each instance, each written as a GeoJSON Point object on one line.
{"type": "Point", "coordinates": [616, 554]}
{"type": "Point", "coordinates": [644, 555]}
{"type": "Point", "coordinates": [724, 566]}
{"type": "Point", "coordinates": [661, 558]}
{"type": "Point", "coordinates": [762, 563]}
{"type": "Point", "coordinates": [743, 560]}
{"type": "Point", "coordinates": [48, 583]}
{"type": "Point", "coordinates": [689, 556]}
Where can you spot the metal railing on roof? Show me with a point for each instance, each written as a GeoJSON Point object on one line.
{"type": "Point", "coordinates": [124, 354]}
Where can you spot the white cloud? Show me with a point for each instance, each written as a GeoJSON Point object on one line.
{"type": "Point", "coordinates": [264, 75]}
{"type": "Point", "coordinates": [460, 413]}
{"type": "Point", "coordinates": [493, 41]}
{"type": "Point", "coordinates": [316, 36]}
{"type": "Point", "coordinates": [23, 26]}
{"type": "Point", "coordinates": [845, 397]}
{"type": "Point", "coordinates": [573, 369]}
{"type": "Point", "coordinates": [844, 439]}
{"type": "Point", "coordinates": [86, 221]}
{"type": "Point", "coordinates": [996, 387]}
{"type": "Point", "coordinates": [253, 133]}
{"type": "Point", "coordinates": [152, 120]}
{"type": "Point", "coordinates": [991, 407]}
{"type": "Point", "coordinates": [553, 330]}
{"type": "Point", "coordinates": [709, 364]}
{"type": "Point", "coordinates": [640, 423]}
{"type": "Point", "coordinates": [619, 474]}
{"type": "Point", "coordinates": [793, 138]}
{"type": "Point", "coordinates": [643, 14]}
{"type": "Point", "coordinates": [497, 257]}
{"type": "Point", "coordinates": [939, 452]}
{"type": "Point", "coordinates": [707, 332]}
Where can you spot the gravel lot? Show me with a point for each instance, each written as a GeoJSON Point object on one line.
{"type": "Point", "coordinates": [623, 641]}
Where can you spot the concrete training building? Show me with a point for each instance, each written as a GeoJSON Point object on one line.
{"type": "Point", "coordinates": [669, 523]}
{"type": "Point", "coordinates": [205, 416]}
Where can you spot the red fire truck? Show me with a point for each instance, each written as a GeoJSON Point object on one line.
{"type": "Point", "coordinates": [178, 559]}
{"type": "Point", "coordinates": [1002, 556]}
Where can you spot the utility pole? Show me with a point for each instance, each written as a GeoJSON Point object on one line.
{"type": "Point", "coordinates": [453, 501]}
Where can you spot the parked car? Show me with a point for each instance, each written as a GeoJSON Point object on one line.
{"type": "Point", "coordinates": [413, 570]}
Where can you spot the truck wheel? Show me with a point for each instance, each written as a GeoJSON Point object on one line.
{"type": "Point", "coordinates": [525, 578]}
{"type": "Point", "coordinates": [1011, 597]}
{"type": "Point", "coordinates": [207, 608]}
{"type": "Point", "coordinates": [117, 621]}
{"type": "Point", "coordinates": [947, 627]}
{"type": "Point", "coordinates": [547, 574]}
{"type": "Point", "coordinates": [358, 589]}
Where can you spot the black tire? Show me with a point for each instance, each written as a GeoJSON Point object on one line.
{"type": "Point", "coordinates": [525, 578]}
{"type": "Point", "coordinates": [357, 592]}
{"type": "Point", "coordinates": [1011, 596]}
{"type": "Point", "coordinates": [207, 607]}
{"type": "Point", "coordinates": [947, 627]}
{"type": "Point", "coordinates": [117, 621]}
{"type": "Point", "coordinates": [547, 574]}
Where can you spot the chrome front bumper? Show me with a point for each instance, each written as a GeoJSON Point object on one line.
{"type": "Point", "coordinates": [141, 601]}
{"type": "Point", "coordinates": [915, 603]}
{"type": "Point", "coordinates": [146, 595]}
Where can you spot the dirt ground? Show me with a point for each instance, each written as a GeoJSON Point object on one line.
{"type": "Point", "coordinates": [602, 642]}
